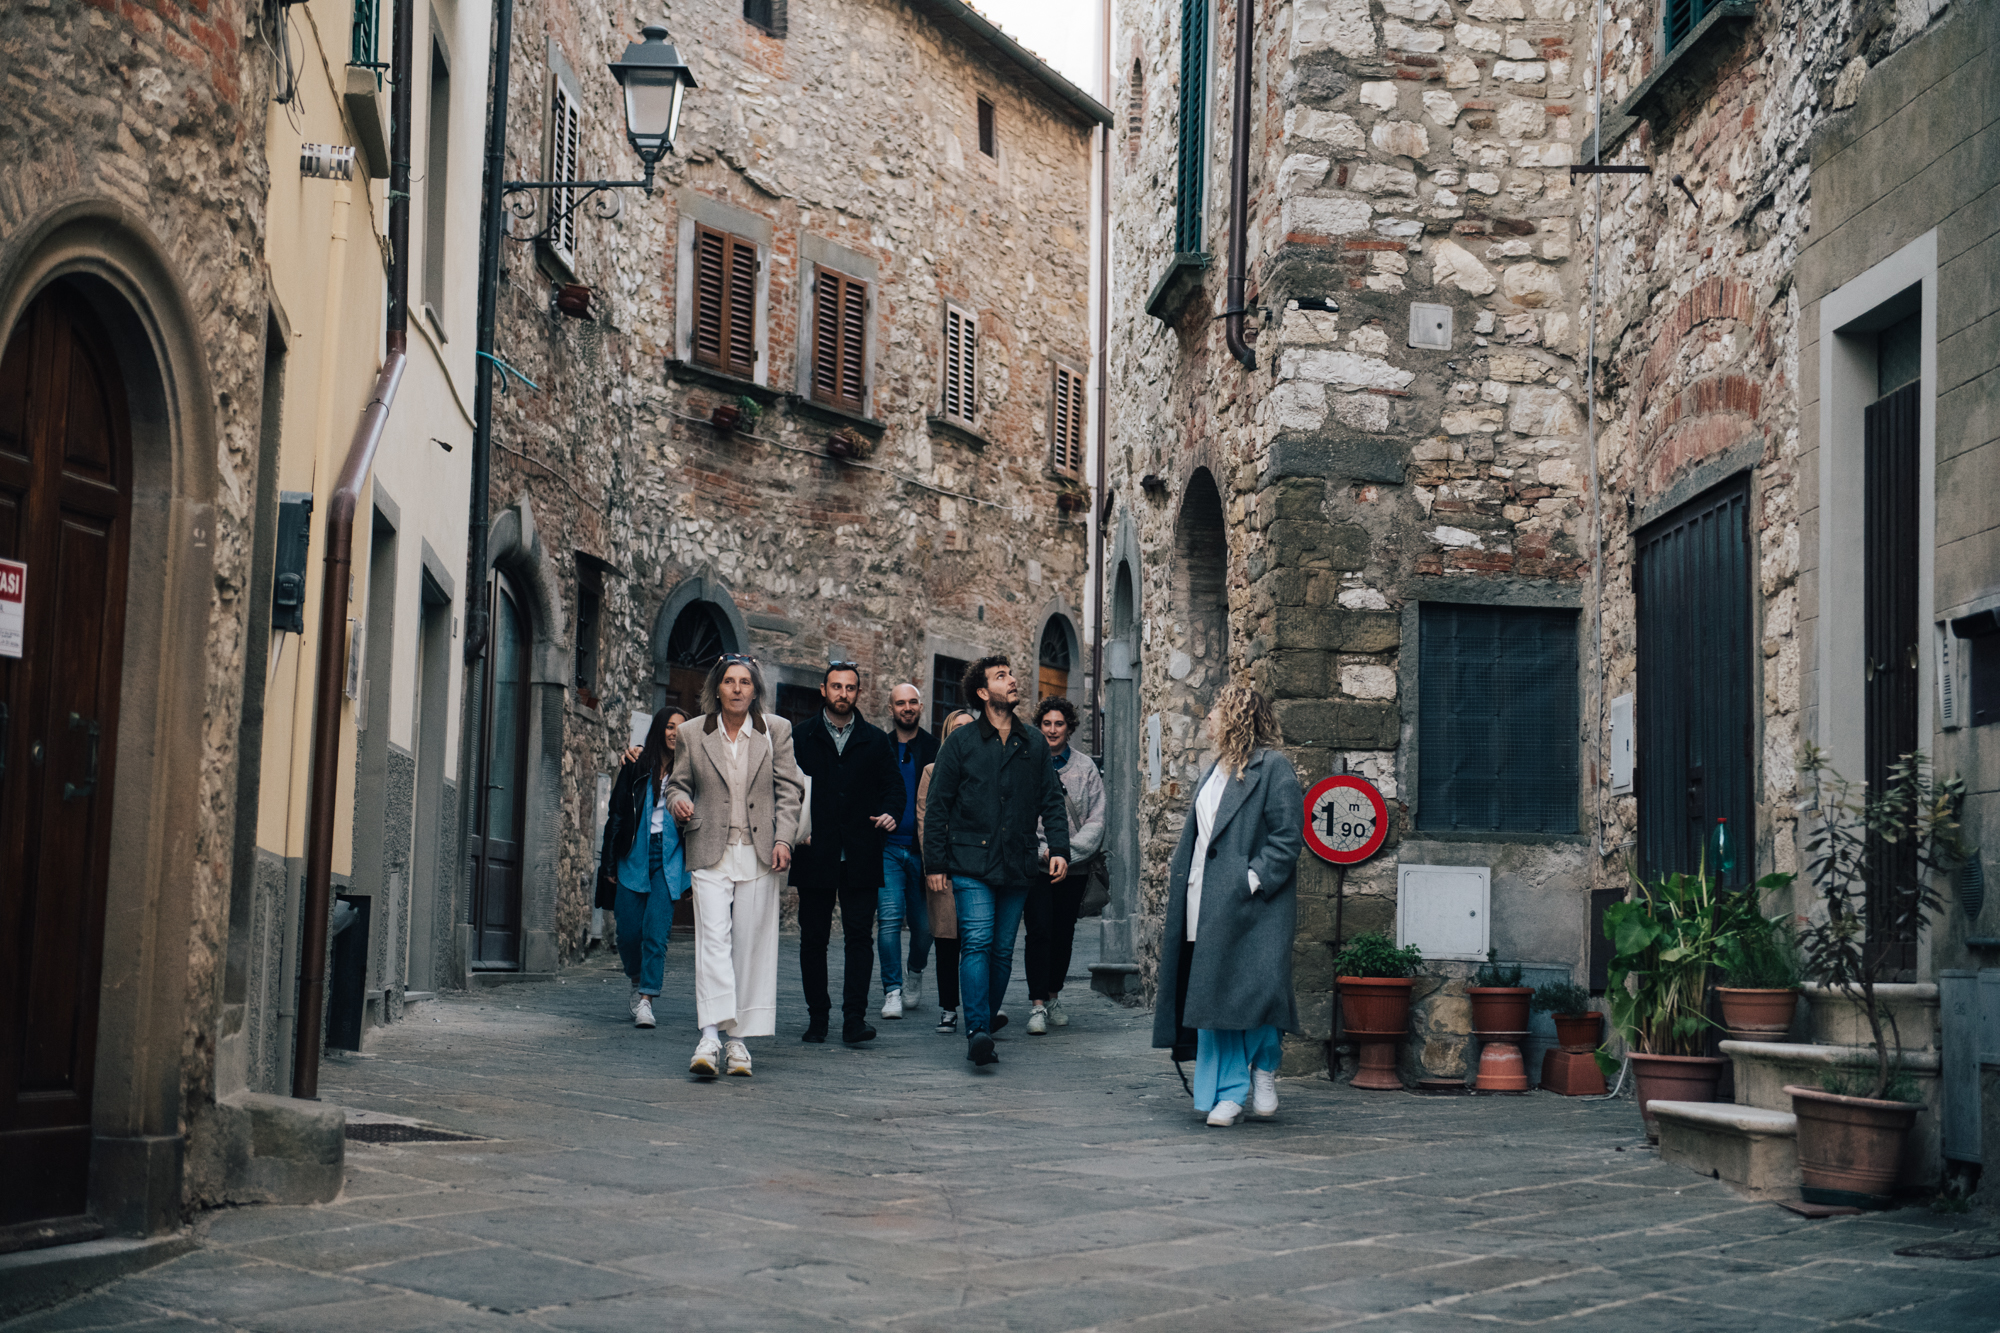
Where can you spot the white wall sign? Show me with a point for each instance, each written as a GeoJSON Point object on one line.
{"type": "Point", "coordinates": [13, 606]}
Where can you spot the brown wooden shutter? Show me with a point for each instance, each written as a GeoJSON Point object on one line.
{"type": "Point", "coordinates": [564, 156]}
{"type": "Point", "coordinates": [725, 302]}
{"type": "Point", "coordinates": [840, 325]}
{"type": "Point", "coordinates": [961, 344]}
{"type": "Point", "coordinates": [1066, 423]}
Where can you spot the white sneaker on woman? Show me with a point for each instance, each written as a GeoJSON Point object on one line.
{"type": "Point", "coordinates": [642, 1012]}
{"type": "Point", "coordinates": [737, 1059]}
{"type": "Point", "coordinates": [705, 1052]}
{"type": "Point", "coordinates": [1225, 1114]}
{"type": "Point", "coordinates": [913, 986]}
{"type": "Point", "coordinates": [1263, 1093]}
{"type": "Point", "coordinates": [892, 1004]}
{"type": "Point", "coordinates": [1057, 1018]}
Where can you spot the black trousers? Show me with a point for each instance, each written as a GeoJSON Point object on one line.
{"type": "Point", "coordinates": [1051, 921]}
{"type": "Point", "coordinates": [947, 973]}
{"type": "Point", "coordinates": [857, 927]}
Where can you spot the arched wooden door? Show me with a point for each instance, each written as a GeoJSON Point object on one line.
{"type": "Point", "coordinates": [65, 508]}
{"type": "Point", "coordinates": [500, 809]}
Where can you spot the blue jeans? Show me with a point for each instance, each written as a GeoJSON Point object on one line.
{"type": "Point", "coordinates": [988, 920]}
{"type": "Point", "coordinates": [644, 919]}
{"type": "Point", "coordinates": [1223, 1061]}
{"type": "Point", "coordinates": [902, 900]}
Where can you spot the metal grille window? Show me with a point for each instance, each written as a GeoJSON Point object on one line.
{"type": "Point", "coordinates": [1193, 125]}
{"type": "Point", "coordinates": [987, 143]}
{"type": "Point", "coordinates": [1890, 538]}
{"type": "Point", "coordinates": [766, 14]}
{"type": "Point", "coordinates": [1066, 414]}
{"type": "Point", "coordinates": [1498, 719]}
{"type": "Point", "coordinates": [564, 152]}
{"type": "Point", "coordinates": [946, 672]}
{"type": "Point", "coordinates": [840, 339]}
{"type": "Point", "coordinates": [961, 364]}
{"type": "Point", "coordinates": [725, 302]}
{"type": "Point", "coordinates": [437, 164]}
{"type": "Point", "coordinates": [1681, 16]}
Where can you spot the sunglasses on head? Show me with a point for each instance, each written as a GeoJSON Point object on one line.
{"type": "Point", "coordinates": [735, 659]}
{"type": "Point", "coordinates": [834, 664]}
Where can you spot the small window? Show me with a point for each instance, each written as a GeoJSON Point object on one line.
{"type": "Point", "coordinates": [1053, 677]}
{"type": "Point", "coordinates": [1681, 16]}
{"type": "Point", "coordinates": [798, 703]}
{"type": "Point", "coordinates": [437, 162]}
{"type": "Point", "coordinates": [1135, 109]}
{"type": "Point", "coordinates": [946, 672]}
{"type": "Point", "coordinates": [766, 14]}
{"type": "Point", "coordinates": [961, 365]}
{"type": "Point", "coordinates": [565, 150]}
{"type": "Point", "coordinates": [725, 302]}
{"type": "Point", "coordinates": [1981, 636]}
{"type": "Point", "coordinates": [1066, 413]}
{"type": "Point", "coordinates": [840, 340]}
{"type": "Point", "coordinates": [589, 601]}
{"type": "Point", "coordinates": [1497, 719]}
{"type": "Point", "coordinates": [986, 142]}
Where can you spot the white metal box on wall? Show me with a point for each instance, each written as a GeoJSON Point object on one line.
{"type": "Point", "coordinates": [1445, 910]}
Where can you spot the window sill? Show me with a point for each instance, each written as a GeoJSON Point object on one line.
{"type": "Point", "coordinates": [956, 430]}
{"type": "Point", "coordinates": [689, 373]}
{"type": "Point", "coordinates": [1691, 62]}
{"type": "Point", "coordinates": [839, 416]}
{"type": "Point", "coordinates": [1170, 295]}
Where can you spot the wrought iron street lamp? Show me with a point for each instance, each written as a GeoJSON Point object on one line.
{"type": "Point", "coordinates": [655, 79]}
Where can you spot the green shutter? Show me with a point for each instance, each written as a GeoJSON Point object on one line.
{"type": "Point", "coordinates": [1193, 125]}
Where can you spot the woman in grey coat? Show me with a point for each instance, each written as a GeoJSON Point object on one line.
{"type": "Point", "coordinates": [1226, 953]}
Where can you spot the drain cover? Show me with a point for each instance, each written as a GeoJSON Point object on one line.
{"type": "Point", "coordinates": [1953, 1249]}
{"type": "Point", "coordinates": [380, 1133]}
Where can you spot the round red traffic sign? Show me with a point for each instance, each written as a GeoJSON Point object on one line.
{"type": "Point", "coordinates": [1346, 819]}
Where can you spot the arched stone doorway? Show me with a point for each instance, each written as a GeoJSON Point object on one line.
{"type": "Point", "coordinates": [1198, 596]}
{"type": "Point", "coordinates": [697, 623]}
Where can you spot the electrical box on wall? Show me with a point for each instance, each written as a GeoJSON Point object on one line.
{"type": "Point", "coordinates": [1430, 326]}
{"type": "Point", "coordinates": [1445, 910]}
{"type": "Point", "coordinates": [288, 588]}
{"type": "Point", "coordinates": [1622, 747]}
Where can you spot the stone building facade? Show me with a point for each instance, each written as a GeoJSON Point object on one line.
{"type": "Point", "coordinates": [898, 162]}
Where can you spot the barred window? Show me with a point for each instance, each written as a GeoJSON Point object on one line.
{"type": "Point", "coordinates": [1066, 414]}
{"type": "Point", "coordinates": [766, 14]}
{"type": "Point", "coordinates": [961, 366]}
{"type": "Point", "coordinates": [840, 340]}
{"type": "Point", "coordinates": [725, 302]}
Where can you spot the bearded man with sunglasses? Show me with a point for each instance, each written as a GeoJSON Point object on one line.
{"type": "Point", "coordinates": [857, 794]}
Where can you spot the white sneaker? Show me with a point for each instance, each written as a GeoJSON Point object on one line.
{"type": "Point", "coordinates": [1225, 1114]}
{"type": "Point", "coordinates": [705, 1051]}
{"type": "Point", "coordinates": [632, 1002]}
{"type": "Point", "coordinates": [738, 1059]}
{"type": "Point", "coordinates": [892, 1004]}
{"type": "Point", "coordinates": [913, 987]}
{"type": "Point", "coordinates": [1038, 1021]}
{"type": "Point", "coordinates": [642, 1013]}
{"type": "Point", "coordinates": [1263, 1093]}
{"type": "Point", "coordinates": [947, 1020]}
{"type": "Point", "coordinates": [1057, 1018]}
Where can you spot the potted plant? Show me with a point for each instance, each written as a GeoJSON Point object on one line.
{"type": "Point", "coordinates": [1499, 1000]}
{"type": "Point", "coordinates": [1569, 1005]}
{"type": "Point", "coordinates": [1664, 940]}
{"type": "Point", "coordinates": [1892, 841]}
{"type": "Point", "coordinates": [1759, 989]}
{"type": "Point", "coordinates": [845, 443]}
{"type": "Point", "coordinates": [726, 416]}
{"type": "Point", "coordinates": [1374, 977]}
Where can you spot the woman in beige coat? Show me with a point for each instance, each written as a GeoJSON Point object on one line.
{"type": "Point", "coordinates": [943, 917]}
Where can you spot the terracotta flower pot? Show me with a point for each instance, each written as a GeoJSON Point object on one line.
{"type": "Point", "coordinates": [573, 299]}
{"type": "Point", "coordinates": [1500, 1008]}
{"type": "Point", "coordinates": [1376, 1012]}
{"type": "Point", "coordinates": [1673, 1078]}
{"type": "Point", "coordinates": [1757, 1015]}
{"type": "Point", "coordinates": [726, 416]}
{"type": "Point", "coordinates": [1577, 1033]}
{"type": "Point", "coordinates": [1850, 1147]}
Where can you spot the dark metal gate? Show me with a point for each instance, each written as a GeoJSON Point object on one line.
{"type": "Point", "coordinates": [1889, 631]}
{"type": "Point", "coordinates": [1695, 704]}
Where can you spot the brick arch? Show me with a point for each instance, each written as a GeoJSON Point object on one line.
{"type": "Point", "coordinates": [1707, 415]}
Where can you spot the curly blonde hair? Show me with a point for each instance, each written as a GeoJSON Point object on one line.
{"type": "Point", "coordinates": [1245, 725]}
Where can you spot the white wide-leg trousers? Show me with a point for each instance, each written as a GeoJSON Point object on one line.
{"type": "Point", "coordinates": [736, 953]}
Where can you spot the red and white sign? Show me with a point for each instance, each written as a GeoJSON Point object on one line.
{"type": "Point", "coordinates": [13, 606]}
{"type": "Point", "coordinates": [1346, 819]}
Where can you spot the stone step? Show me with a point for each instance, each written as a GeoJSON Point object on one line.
{"type": "Point", "coordinates": [1764, 1068]}
{"type": "Point", "coordinates": [1834, 1019]}
{"type": "Point", "coordinates": [1746, 1147]}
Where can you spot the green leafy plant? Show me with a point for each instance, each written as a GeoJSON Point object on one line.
{"type": "Point", "coordinates": [1491, 973]}
{"type": "Point", "coordinates": [1376, 955]}
{"type": "Point", "coordinates": [1561, 997]}
{"type": "Point", "coordinates": [1873, 856]}
{"type": "Point", "coordinates": [1664, 942]}
{"type": "Point", "coordinates": [1854, 1081]}
{"type": "Point", "coordinates": [1762, 954]}
{"type": "Point", "coordinates": [751, 408]}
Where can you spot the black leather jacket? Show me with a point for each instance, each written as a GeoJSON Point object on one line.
{"type": "Point", "coordinates": [628, 808]}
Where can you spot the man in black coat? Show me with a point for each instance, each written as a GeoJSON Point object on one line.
{"type": "Point", "coordinates": [857, 794]}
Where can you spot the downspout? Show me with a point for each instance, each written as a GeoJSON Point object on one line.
{"type": "Point", "coordinates": [478, 519]}
{"type": "Point", "coordinates": [1097, 514]}
{"type": "Point", "coordinates": [1239, 186]}
{"type": "Point", "coordinates": [334, 585]}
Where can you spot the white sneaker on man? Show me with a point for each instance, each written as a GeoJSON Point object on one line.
{"type": "Point", "coordinates": [1225, 1114]}
{"type": "Point", "coordinates": [892, 1004]}
{"type": "Point", "coordinates": [913, 987]}
{"type": "Point", "coordinates": [1263, 1093]}
{"type": "Point", "coordinates": [1038, 1021]}
{"type": "Point", "coordinates": [947, 1020]}
{"type": "Point", "coordinates": [642, 1012]}
{"type": "Point", "coordinates": [705, 1053]}
{"type": "Point", "coordinates": [1057, 1018]}
{"type": "Point", "coordinates": [737, 1059]}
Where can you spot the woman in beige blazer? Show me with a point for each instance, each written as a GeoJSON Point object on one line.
{"type": "Point", "coordinates": [737, 794]}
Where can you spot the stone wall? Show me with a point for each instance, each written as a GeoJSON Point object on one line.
{"type": "Point", "coordinates": [853, 137]}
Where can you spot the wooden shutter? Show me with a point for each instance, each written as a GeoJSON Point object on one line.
{"type": "Point", "coordinates": [1066, 413]}
{"type": "Point", "coordinates": [1695, 702]}
{"type": "Point", "coordinates": [1497, 718]}
{"type": "Point", "coordinates": [840, 339]}
{"type": "Point", "coordinates": [1188, 182]}
{"type": "Point", "coordinates": [961, 354]}
{"type": "Point", "coordinates": [565, 153]}
{"type": "Point", "coordinates": [725, 302]}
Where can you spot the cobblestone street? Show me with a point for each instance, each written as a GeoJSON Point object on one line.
{"type": "Point", "coordinates": [1069, 1187]}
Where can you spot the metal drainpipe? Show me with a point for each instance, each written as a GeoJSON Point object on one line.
{"type": "Point", "coordinates": [1239, 185]}
{"type": "Point", "coordinates": [333, 588]}
{"type": "Point", "coordinates": [1097, 514]}
{"type": "Point", "coordinates": [478, 519]}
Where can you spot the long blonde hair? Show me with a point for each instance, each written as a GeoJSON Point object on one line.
{"type": "Point", "coordinates": [1245, 724]}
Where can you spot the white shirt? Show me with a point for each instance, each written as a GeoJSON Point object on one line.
{"type": "Point", "coordinates": [1207, 804]}
{"type": "Point", "coordinates": [739, 859]}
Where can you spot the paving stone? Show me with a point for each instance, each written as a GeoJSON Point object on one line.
{"type": "Point", "coordinates": [239, 1287]}
{"type": "Point", "coordinates": [350, 1247]}
{"type": "Point", "coordinates": [505, 1279]}
{"type": "Point", "coordinates": [89, 1312]}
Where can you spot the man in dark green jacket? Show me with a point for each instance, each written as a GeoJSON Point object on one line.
{"type": "Point", "coordinates": [992, 783]}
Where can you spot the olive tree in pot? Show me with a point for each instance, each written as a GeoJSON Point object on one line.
{"type": "Point", "coordinates": [1374, 977]}
{"type": "Point", "coordinates": [1894, 842]}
